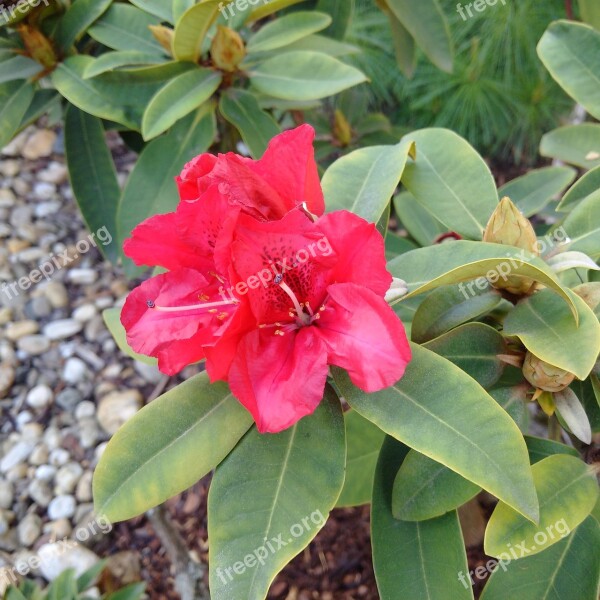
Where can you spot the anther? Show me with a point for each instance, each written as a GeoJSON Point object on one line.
{"type": "Point", "coordinates": [150, 304]}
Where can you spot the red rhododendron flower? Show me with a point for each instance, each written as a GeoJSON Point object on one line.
{"type": "Point", "coordinates": [266, 292]}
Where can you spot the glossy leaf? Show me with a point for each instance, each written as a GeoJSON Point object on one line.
{"type": "Point", "coordinates": [93, 175]}
{"type": "Point", "coordinates": [590, 12]}
{"type": "Point", "coordinates": [404, 45]}
{"type": "Point", "coordinates": [545, 326]}
{"type": "Point", "coordinates": [426, 410]}
{"type": "Point", "coordinates": [567, 491]}
{"type": "Point", "coordinates": [437, 179]}
{"type": "Point", "coordinates": [514, 401]}
{"type": "Point", "coordinates": [256, 126]}
{"type": "Point", "coordinates": [406, 554]}
{"type": "Point", "coordinates": [418, 221]}
{"type": "Point", "coordinates": [273, 489]}
{"type": "Point", "coordinates": [570, 52]}
{"type": "Point", "coordinates": [112, 320]}
{"type": "Point", "coordinates": [151, 188]}
{"type": "Point", "coordinates": [303, 75]}
{"type": "Point", "coordinates": [583, 226]}
{"type": "Point", "coordinates": [18, 68]}
{"type": "Point", "coordinates": [448, 307]}
{"type": "Point", "coordinates": [363, 443]}
{"type": "Point", "coordinates": [159, 8]}
{"type": "Point", "coordinates": [177, 99]}
{"type": "Point", "coordinates": [364, 181]}
{"type": "Point", "coordinates": [573, 413]}
{"type": "Point", "coordinates": [540, 448]}
{"type": "Point", "coordinates": [115, 60]}
{"type": "Point", "coordinates": [15, 98]}
{"type": "Point", "coordinates": [167, 447]}
{"type": "Point", "coordinates": [428, 268]}
{"type": "Point", "coordinates": [322, 45]}
{"type": "Point", "coordinates": [425, 489]}
{"type": "Point", "coordinates": [588, 184]}
{"type": "Point", "coordinates": [533, 191]}
{"type": "Point", "coordinates": [426, 23]}
{"type": "Point", "coordinates": [264, 9]}
{"type": "Point", "coordinates": [74, 23]}
{"type": "Point", "coordinates": [574, 144]}
{"type": "Point", "coordinates": [125, 27]}
{"type": "Point", "coordinates": [474, 347]}
{"type": "Point", "coordinates": [287, 30]}
{"type": "Point", "coordinates": [571, 260]}
{"type": "Point", "coordinates": [191, 29]}
{"type": "Point", "coordinates": [43, 101]}
{"type": "Point", "coordinates": [569, 569]}
{"type": "Point", "coordinates": [342, 12]}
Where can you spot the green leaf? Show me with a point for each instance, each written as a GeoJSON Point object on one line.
{"type": "Point", "coordinates": [570, 52]}
{"type": "Point", "coordinates": [158, 8]}
{"type": "Point", "coordinates": [15, 98]}
{"type": "Point", "coordinates": [396, 245]}
{"type": "Point", "coordinates": [287, 30]}
{"type": "Point", "coordinates": [167, 447]}
{"type": "Point", "coordinates": [533, 191]}
{"type": "Point", "coordinates": [342, 12]}
{"type": "Point", "coordinates": [574, 144]}
{"type": "Point", "coordinates": [89, 577]}
{"type": "Point", "coordinates": [364, 181]}
{"type": "Point", "coordinates": [404, 45]}
{"type": "Point", "coordinates": [78, 18]}
{"type": "Point", "coordinates": [540, 448]}
{"type": "Point", "coordinates": [18, 68]}
{"type": "Point", "coordinates": [590, 12]}
{"type": "Point", "coordinates": [448, 307]}
{"type": "Point", "coordinates": [363, 443]}
{"type": "Point", "coordinates": [93, 175]}
{"type": "Point", "coordinates": [452, 181]}
{"type": "Point", "coordinates": [546, 328]}
{"type": "Point", "coordinates": [585, 186]}
{"type": "Point", "coordinates": [265, 9]}
{"type": "Point", "coordinates": [585, 392]}
{"type": "Point", "coordinates": [43, 101]}
{"type": "Point", "coordinates": [583, 226]}
{"type": "Point", "coordinates": [567, 491]}
{"type": "Point", "coordinates": [151, 188]}
{"type": "Point", "coordinates": [115, 60]}
{"type": "Point", "coordinates": [191, 29]}
{"type": "Point", "coordinates": [514, 401]}
{"type": "Point", "coordinates": [322, 45]}
{"type": "Point", "coordinates": [569, 569]}
{"type": "Point", "coordinates": [474, 348]}
{"type": "Point", "coordinates": [303, 75]}
{"type": "Point", "coordinates": [177, 99]}
{"type": "Point", "coordinates": [181, 6]}
{"type": "Point", "coordinates": [64, 586]}
{"type": "Point", "coordinates": [418, 221]}
{"type": "Point", "coordinates": [270, 497]}
{"type": "Point", "coordinates": [426, 23]}
{"type": "Point", "coordinates": [425, 269]}
{"type": "Point", "coordinates": [112, 319]}
{"type": "Point", "coordinates": [134, 591]}
{"type": "Point", "coordinates": [256, 126]}
{"type": "Point", "coordinates": [572, 412]}
{"type": "Point", "coordinates": [125, 27]}
{"type": "Point", "coordinates": [406, 554]}
{"type": "Point", "coordinates": [425, 489]}
{"type": "Point", "coordinates": [426, 410]}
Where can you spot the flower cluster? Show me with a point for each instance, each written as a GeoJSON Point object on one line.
{"type": "Point", "coordinates": [272, 338]}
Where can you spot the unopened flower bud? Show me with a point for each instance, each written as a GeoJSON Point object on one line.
{"type": "Point", "coordinates": [545, 376]}
{"type": "Point", "coordinates": [508, 226]}
{"type": "Point", "coordinates": [164, 36]}
{"type": "Point", "coordinates": [341, 128]}
{"type": "Point", "coordinates": [227, 49]}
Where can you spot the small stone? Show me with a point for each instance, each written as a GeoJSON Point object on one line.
{"type": "Point", "coordinates": [5, 315]}
{"type": "Point", "coordinates": [39, 397]}
{"type": "Point", "coordinates": [19, 329]}
{"type": "Point", "coordinates": [85, 312]}
{"type": "Point", "coordinates": [9, 168]}
{"type": "Point", "coordinates": [39, 144]}
{"type": "Point", "coordinates": [4, 526]}
{"type": "Point", "coordinates": [150, 373]}
{"type": "Point", "coordinates": [59, 529]}
{"type": "Point", "coordinates": [30, 255]}
{"type": "Point", "coordinates": [34, 345]}
{"type": "Point", "coordinates": [39, 491]}
{"type": "Point", "coordinates": [62, 329]}
{"type": "Point", "coordinates": [117, 408]}
{"type": "Point", "coordinates": [82, 276]}
{"type": "Point", "coordinates": [55, 561]}
{"type": "Point", "coordinates": [84, 410]}
{"type": "Point", "coordinates": [39, 455]}
{"type": "Point", "coordinates": [55, 173]}
{"type": "Point", "coordinates": [7, 198]}
{"type": "Point", "coordinates": [29, 530]}
{"type": "Point", "coordinates": [68, 399]}
{"type": "Point", "coordinates": [15, 147]}
{"type": "Point", "coordinates": [89, 434]}
{"type": "Point", "coordinates": [45, 209]}
{"type": "Point", "coordinates": [15, 456]}
{"type": "Point", "coordinates": [41, 307]}
{"type": "Point", "coordinates": [56, 293]}
{"type": "Point", "coordinates": [67, 477]}
{"type": "Point", "coordinates": [52, 437]}
{"type": "Point", "coordinates": [31, 432]}
{"type": "Point", "coordinates": [61, 507]}
{"type": "Point", "coordinates": [44, 191]}
{"type": "Point", "coordinates": [83, 493]}
{"type": "Point", "coordinates": [59, 457]}
{"type": "Point", "coordinates": [45, 473]}
{"type": "Point", "coordinates": [7, 378]}
{"type": "Point", "coordinates": [6, 494]}
{"type": "Point", "coordinates": [75, 371]}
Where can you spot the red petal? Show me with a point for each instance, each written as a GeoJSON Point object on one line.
{"type": "Point", "coordinates": [155, 242]}
{"type": "Point", "coordinates": [173, 357]}
{"type": "Point", "coordinates": [279, 379]}
{"type": "Point", "coordinates": [360, 249]}
{"type": "Point", "coordinates": [364, 336]}
{"type": "Point", "coordinates": [194, 180]}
